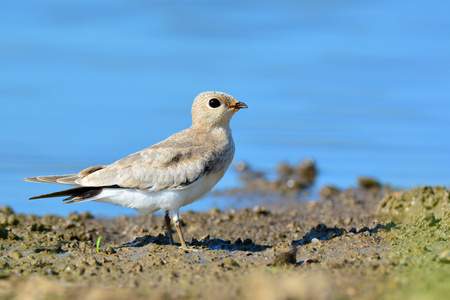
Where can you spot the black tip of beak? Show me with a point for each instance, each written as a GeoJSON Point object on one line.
{"type": "Point", "coordinates": [241, 105]}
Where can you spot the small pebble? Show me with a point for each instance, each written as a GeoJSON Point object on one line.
{"type": "Point", "coordinates": [287, 257]}
{"type": "Point", "coordinates": [108, 250]}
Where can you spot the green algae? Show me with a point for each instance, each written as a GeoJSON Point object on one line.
{"type": "Point", "coordinates": [405, 205]}
{"type": "Point", "coordinates": [418, 272]}
{"type": "Point", "coordinates": [419, 241]}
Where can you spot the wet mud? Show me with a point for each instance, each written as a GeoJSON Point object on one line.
{"type": "Point", "coordinates": [368, 242]}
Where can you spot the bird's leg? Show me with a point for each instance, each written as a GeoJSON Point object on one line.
{"type": "Point", "coordinates": [176, 221]}
{"type": "Point", "coordinates": [168, 227]}
{"type": "Point", "coordinates": [180, 234]}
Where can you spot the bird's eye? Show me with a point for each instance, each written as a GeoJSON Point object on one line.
{"type": "Point", "coordinates": [214, 103]}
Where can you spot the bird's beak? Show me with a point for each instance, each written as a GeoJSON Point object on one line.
{"type": "Point", "coordinates": [238, 105]}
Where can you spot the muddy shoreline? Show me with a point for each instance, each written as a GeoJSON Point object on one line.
{"type": "Point", "coordinates": [357, 243]}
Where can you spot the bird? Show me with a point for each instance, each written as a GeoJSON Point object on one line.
{"type": "Point", "coordinates": [166, 176]}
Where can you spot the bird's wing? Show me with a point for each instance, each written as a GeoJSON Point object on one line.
{"type": "Point", "coordinates": [163, 166]}
{"type": "Point", "coordinates": [154, 169]}
{"type": "Point", "coordinates": [55, 179]}
{"type": "Point", "coordinates": [69, 179]}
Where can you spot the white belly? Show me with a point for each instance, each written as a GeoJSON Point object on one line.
{"type": "Point", "coordinates": [167, 200]}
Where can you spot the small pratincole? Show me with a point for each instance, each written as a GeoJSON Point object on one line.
{"type": "Point", "coordinates": [167, 175]}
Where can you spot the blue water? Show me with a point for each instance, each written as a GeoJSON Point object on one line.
{"type": "Point", "coordinates": [363, 87]}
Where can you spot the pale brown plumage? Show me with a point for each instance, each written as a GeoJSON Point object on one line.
{"type": "Point", "coordinates": [191, 162]}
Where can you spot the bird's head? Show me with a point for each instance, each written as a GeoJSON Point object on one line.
{"type": "Point", "coordinates": [212, 109]}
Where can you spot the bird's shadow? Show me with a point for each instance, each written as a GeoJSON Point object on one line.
{"type": "Point", "coordinates": [205, 243]}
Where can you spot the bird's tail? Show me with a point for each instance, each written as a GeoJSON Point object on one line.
{"type": "Point", "coordinates": [77, 194]}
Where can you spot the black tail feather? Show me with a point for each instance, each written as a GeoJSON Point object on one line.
{"type": "Point", "coordinates": [75, 194]}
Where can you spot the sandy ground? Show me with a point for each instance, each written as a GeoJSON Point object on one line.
{"type": "Point", "coordinates": [371, 242]}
